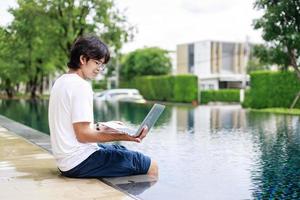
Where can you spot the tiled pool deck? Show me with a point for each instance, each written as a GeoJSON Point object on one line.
{"type": "Point", "coordinates": [28, 170]}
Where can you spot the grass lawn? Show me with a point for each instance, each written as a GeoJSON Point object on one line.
{"type": "Point", "coordinates": [288, 111]}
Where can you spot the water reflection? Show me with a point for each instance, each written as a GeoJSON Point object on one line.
{"type": "Point", "coordinates": [277, 171]}
{"type": "Point", "coordinates": [33, 113]}
{"type": "Point", "coordinates": [220, 118]}
{"type": "Point", "coordinates": [230, 118]}
{"type": "Point", "coordinates": [134, 185]}
{"type": "Point", "coordinates": [183, 118]}
{"type": "Point", "coordinates": [136, 188]}
{"type": "Point", "coordinates": [130, 113]}
{"type": "Point", "coordinates": [201, 150]}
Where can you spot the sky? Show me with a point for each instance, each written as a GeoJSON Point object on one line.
{"type": "Point", "coordinates": [166, 23]}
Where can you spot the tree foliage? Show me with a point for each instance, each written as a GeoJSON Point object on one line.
{"type": "Point", "coordinates": [38, 40]}
{"type": "Point", "coordinates": [10, 68]}
{"type": "Point", "coordinates": [280, 24]}
{"type": "Point", "coordinates": [146, 61]}
{"type": "Point", "coordinates": [258, 59]}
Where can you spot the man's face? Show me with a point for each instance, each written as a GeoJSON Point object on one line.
{"type": "Point", "coordinates": [92, 68]}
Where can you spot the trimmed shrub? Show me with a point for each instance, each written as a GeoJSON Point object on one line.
{"type": "Point", "coordinates": [272, 89]}
{"type": "Point", "coordinates": [101, 84]}
{"type": "Point", "coordinates": [181, 88]}
{"type": "Point", "coordinates": [161, 87]}
{"type": "Point", "coordinates": [224, 95]}
{"type": "Point", "coordinates": [185, 88]}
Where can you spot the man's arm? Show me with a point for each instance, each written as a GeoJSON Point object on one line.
{"type": "Point", "coordinates": [85, 134]}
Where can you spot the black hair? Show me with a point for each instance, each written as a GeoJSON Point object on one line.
{"type": "Point", "coordinates": [90, 47]}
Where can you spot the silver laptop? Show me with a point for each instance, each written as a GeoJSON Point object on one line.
{"type": "Point", "coordinates": [149, 121]}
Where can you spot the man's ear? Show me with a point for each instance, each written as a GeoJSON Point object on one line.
{"type": "Point", "coordinates": [82, 60]}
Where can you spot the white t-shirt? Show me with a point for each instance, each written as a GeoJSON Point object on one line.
{"type": "Point", "coordinates": [71, 100]}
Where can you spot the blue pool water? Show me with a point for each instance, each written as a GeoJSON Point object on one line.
{"type": "Point", "coordinates": [204, 152]}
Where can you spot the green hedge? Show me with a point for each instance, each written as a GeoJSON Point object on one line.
{"type": "Point", "coordinates": [224, 95]}
{"type": "Point", "coordinates": [180, 88]}
{"type": "Point", "coordinates": [185, 88]}
{"type": "Point", "coordinates": [101, 84]}
{"type": "Point", "coordinates": [272, 89]}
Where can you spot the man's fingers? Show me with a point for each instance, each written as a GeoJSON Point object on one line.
{"type": "Point", "coordinates": [145, 129]}
{"type": "Point", "coordinates": [118, 122]}
{"type": "Point", "coordinates": [143, 133]}
{"type": "Point", "coordinates": [137, 140]}
{"type": "Point", "coordinates": [131, 138]}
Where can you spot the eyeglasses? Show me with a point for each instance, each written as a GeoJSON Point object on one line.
{"type": "Point", "coordinates": [99, 64]}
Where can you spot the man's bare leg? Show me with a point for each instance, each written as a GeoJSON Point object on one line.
{"type": "Point", "coordinates": [153, 169]}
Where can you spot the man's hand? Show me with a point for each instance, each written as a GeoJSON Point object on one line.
{"type": "Point", "coordinates": [125, 136]}
{"type": "Point", "coordinates": [143, 133]}
{"type": "Point", "coordinates": [138, 138]}
{"type": "Point", "coordinates": [103, 133]}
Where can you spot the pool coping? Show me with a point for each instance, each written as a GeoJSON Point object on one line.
{"type": "Point", "coordinates": [34, 136]}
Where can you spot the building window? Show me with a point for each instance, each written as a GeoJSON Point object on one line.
{"type": "Point", "coordinates": [191, 58]}
{"type": "Point", "coordinates": [228, 57]}
{"type": "Point", "coordinates": [222, 85]}
{"type": "Point", "coordinates": [211, 86]}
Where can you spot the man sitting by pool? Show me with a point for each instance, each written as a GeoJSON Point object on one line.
{"type": "Point", "coordinates": [73, 136]}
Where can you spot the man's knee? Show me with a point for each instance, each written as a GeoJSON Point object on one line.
{"type": "Point", "coordinates": [153, 169]}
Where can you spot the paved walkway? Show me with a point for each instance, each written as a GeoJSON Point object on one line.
{"type": "Point", "coordinates": [29, 172]}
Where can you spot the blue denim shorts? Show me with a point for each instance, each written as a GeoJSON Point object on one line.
{"type": "Point", "coordinates": [111, 161]}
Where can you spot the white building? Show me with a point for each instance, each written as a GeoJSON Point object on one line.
{"type": "Point", "coordinates": [217, 64]}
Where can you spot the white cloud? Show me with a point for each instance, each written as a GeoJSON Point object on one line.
{"type": "Point", "coordinates": [5, 16]}
{"type": "Point", "coordinates": [208, 6]}
{"type": "Point", "coordinates": [166, 23]}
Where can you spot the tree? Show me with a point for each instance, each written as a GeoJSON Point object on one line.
{"type": "Point", "coordinates": [9, 66]}
{"type": "Point", "coordinates": [147, 61]}
{"type": "Point", "coordinates": [45, 30]}
{"type": "Point", "coordinates": [101, 17]}
{"type": "Point", "coordinates": [280, 24]}
{"type": "Point", "coordinates": [31, 30]}
{"type": "Point", "coordinates": [258, 59]}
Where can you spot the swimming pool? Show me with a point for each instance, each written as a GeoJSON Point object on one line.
{"type": "Point", "coordinates": [204, 152]}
